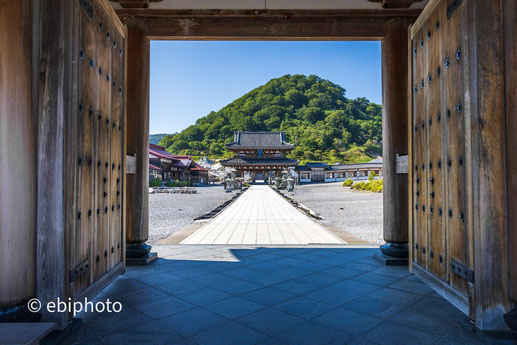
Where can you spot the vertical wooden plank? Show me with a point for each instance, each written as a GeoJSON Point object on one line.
{"type": "Point", "coordinates": [103, 127]}
{"type": "Point", "coordinates": [420, 135]}
{"type": "Point", "coordinates": [455, 159]}
{"type": "Point", "coordinates": [510, 57]}
{"type": "Point", "coordinates": [83, 136]}
{"type": "Point", "coordinates": [435, 37]}
{"type": "Point", "coordinates": [115, 146]}
{"type": "Point", "coordinates": [55, 86]}
{"type": "Point", "coordinates": [17, 157]}
{"type": "Point", "coordinates": [489, 164]}
{"type": "Point", "coordinates": [411, 183]}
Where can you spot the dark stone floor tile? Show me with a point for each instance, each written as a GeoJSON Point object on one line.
{"type": "Point", "coordinates": [389, 333]}
{"type": "Point", "coordinates": [123, 284]}
{"type": "Point", "coordinates": [163, 307]}
{"type": "Point", "coordinates": [394, 296]}
{"type": "Point", "coordinates": [359, 266]}
{"type": "Point", "coordinates": [238, 287]}
{"type": "Point", "coordinates": [342, 272]}
{"type": "Point", "coordinates": [270, 321]}
{"type": "Point", "coordinates": [460, 336]}
{"type": "Point", "coordinates": [401, 272]}
{"type": "Point", "coordinates": [234, 307]}
{"type": "Point", "coordinates": [348, 321]}
{"type": "Point", "coordinates": [229, 333]}
{"type": "Point", "coordinates": [331, 296]}
{"type": "Point", "coordinates": [179, 286]}
{"type": "Point", "coordinates": [298, 287]}
{"type": "Point", "coordinates": [132, 297]}
{"type": "Point", "coordinates": [320, 279]}
{"type": "Point", "coordinates": [192, 321]}
{"type": "Point", "coordinates": [354, 287]}
{"type": "Point", "coordinates": [240, 272]}
{"type": "Point", "coordinates": [373, 307]}
{"type": "Point", "coordinates": [268, 296]}
{"type": "Point", "coordinates": [311, 333]}
{"type": "Point", "coordinates": [310, 256]}
{"type": "Point", "coordinates": [304, 307]}
{"type": "Point", "coordinates": [102, 323]}
{"type": "Point", "coordinates": [377, 279]}
{"type": "Point", "coordinates": [153, 332]}
{"type": "Point", "coordinates": [204, 296]}
{"type": "Point", "coordinates": [289, 261]}
{"type": "Point", "coordinates": [158, 278]}
{"type": "Point", "coordinates": [412, 286]}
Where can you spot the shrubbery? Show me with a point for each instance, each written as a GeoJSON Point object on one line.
{"type": "Point", "coordinates": [155, 182]}
{"type": "Point", "coordinates": [348, 183]}
{"type": "Point", "coordinates": [177, 184]}
{"type": "Point", "coordinates": [371, 185]}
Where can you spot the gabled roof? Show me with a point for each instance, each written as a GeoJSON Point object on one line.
{"type": "Point", "coordinates": [259, 140]}
{"type": "Point", "coordinates": [317, 165]}
{"type": "Point", "coordinates": [160, 152]}
{"type": "Point", "coordinates": [310, 165]}
{"type": "Point", "coordinates": [258, 161]}
{"type": "Point", "coordinates": [198, 167]}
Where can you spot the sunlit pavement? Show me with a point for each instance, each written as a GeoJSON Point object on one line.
{"type": "Point", "coordinates": [275, 295]}
{"type": "Point", "coordinates": [261, 216]}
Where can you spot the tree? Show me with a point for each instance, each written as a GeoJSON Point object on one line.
{"type": "Point", "coordinates": [313, 112]}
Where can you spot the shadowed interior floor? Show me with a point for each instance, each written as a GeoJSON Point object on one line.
{"type": "Point", "coordinates": [273, 295]}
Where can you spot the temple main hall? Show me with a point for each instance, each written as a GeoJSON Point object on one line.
{"type": "Point", "coordinates": [262, 155]}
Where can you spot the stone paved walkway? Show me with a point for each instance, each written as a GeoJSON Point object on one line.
{"type": "Point", "coordinates": [273, 295]}
{"type": "Point", "coordinates": [261, 216]}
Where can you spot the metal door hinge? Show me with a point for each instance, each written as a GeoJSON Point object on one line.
{"type": "Point", "coordinates": [462, 270]}
{"type": "Point", "coordinates": [79, 270]}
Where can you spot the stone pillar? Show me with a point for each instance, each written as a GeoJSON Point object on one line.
{"type": "Point", "coordinates": [137, 134]}
{"type": "Point", "coordinates": [395, 137]}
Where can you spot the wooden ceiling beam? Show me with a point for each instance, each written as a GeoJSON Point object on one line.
{"type": "Point", "coordinates": [267, 24]}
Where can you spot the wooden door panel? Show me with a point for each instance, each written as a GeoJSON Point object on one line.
{"type": "Point", "coordinates": [455, 143]}
{"type": "Point", "coordinates": [438, 141]}
{"type": "Point", "coordinates": [98, 139]}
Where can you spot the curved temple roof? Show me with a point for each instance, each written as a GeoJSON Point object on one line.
{"type": "Point", "coordinates": [259, 140]}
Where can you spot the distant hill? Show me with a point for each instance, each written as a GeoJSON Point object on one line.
{"type": "Point", "coordinates": [155, 138]}
{"type": "Point", "coordinates": [314, 112]}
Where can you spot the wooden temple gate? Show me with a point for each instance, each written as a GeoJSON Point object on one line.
{"type": "Point", "coordinates": [449, 96]}
{"type": "Point", "coordinates": [458, 157]}
{"type": "Point", "coordinates": [77, 73]}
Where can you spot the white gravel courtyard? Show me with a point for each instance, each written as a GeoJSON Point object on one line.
{"type": "Point", "coordinates": [357, 213]}
{"type": "Point", "coordinates": [169, 213]}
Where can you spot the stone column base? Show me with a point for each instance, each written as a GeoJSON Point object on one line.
{"type": "Point", "coordinates": [393, 254]}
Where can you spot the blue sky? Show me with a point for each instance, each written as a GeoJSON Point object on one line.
{"type": "Point", "coordinates": [190, 79]}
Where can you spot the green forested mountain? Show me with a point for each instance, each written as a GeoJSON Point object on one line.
{"type": "Point", "coordinates": [156, 138]}
{"type": "Point", "coordinates": [315, 114]}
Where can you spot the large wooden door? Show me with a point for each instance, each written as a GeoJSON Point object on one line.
{"type": "Point", "coordinates": [96, 142]}
{"type": "Point", "coordinates": [439, 186]}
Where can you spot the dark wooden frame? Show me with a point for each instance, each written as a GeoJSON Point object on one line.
{"type": "Point", "coordinates": [270, 25]}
